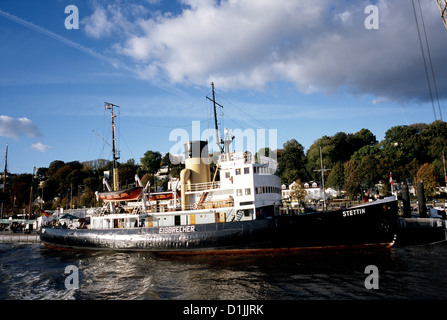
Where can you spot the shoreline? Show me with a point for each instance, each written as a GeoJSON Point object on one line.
{"type": "Point", "coordinates": [19, 237]}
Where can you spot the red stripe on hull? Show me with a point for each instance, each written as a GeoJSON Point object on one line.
{"type": "Point", "coordinates": [275, 250]}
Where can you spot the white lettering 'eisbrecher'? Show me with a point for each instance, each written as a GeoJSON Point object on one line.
{"type": "Point", "coordinates": [177, 229]}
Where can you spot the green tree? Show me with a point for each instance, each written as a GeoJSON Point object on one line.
{"type": "Point", "coordinates": [336, 178]}
{"type": "Point", "coordinates": [439, 170]}
{"type": "Point", "coordinates": [384, 168]}
{"type": "Point", "coordinates": [434, 137]}
{"type": "Point", "coordinates": [61, 177]}
{"type": "Point", "coordinates": [54, 166]}
{"type": "Point", "coordinates": [339, 148]}
{"type": "Point", "coordinates": [94, 165]}
{"type": "Point", "coordinates": [352, 179]}
{"type": "Point", "coordinates": [292, 162]}
{"type": "Point", "coordinates": [367, 150]}
{"type": "Point", "coordinates": [127, 172]}
{"type": "Point", "coordinates": [92, 183]}
{"type": "Point", "coordinates": [21, 189]}
{"type": "Point", "coordinates": [289, 176]}
{"type": "Point", "coordinates": [151, 161]}
{"type": "Point", "coordinates": [166, 161]}
{"type": "Point", "coordinates": [175, 171]}
{"type": "Point", "coordinates": [313, 156]}
{"type": "Point", "coordinates": [362, 138]}
{"type": "Point", "coordinates": [42, 174]}
{"type": "Point", "coordinates": [403, 144]}
{"type": "Point", "coordinates": [87, 199]}
{"type": "Point", "coordinates": [368, 172]}
{"type": "Point", "coordinates": [50, 189]}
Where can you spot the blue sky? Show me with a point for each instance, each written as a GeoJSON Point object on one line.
{"type": "Point", "coordinates": [304, 68]}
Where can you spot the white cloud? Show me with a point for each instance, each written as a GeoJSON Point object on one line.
{"type": "Point", "coordinates": [380, 100]}
{"type": "Point", "coordinates": [316, 45]}
{"type": "Point", "coordinates": [97, 24]}
{"type": "Point", "coordinates": [113, 20]}
{"type": "Point", "coordinates": [235, 42]}
{"type": "Point", "coordinates": [14, 128]}
{"type": "Point", "coordinates": [40, 146]}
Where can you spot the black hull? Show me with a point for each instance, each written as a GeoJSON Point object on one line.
{"type": "Point", "coordinates": [374, 224]}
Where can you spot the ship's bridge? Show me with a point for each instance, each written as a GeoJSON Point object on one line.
{"type": "Point", "coordinates": [253, 184]}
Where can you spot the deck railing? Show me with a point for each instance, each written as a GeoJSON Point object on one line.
{"type": "Point", "coordinates": [210, 205]}
{"type": "Point", "coordinates": [203, 186]}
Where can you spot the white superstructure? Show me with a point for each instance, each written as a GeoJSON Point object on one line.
{"type": "Point", "coordinates": [245, 190]}
{"type": "Point", "coordinates": [250, 189]}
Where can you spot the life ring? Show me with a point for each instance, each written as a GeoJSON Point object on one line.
{"type": "Point", "coordinates": [194, 206]}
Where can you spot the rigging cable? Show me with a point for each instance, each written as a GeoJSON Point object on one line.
{"type": "Point", "coordinates": [429, 59]}
{"type": "Point", "coordinates": [249, 115]}
{"type": "Point", "coordinates": [160, 126]}
{"type": "Point", "coordinates": [423, 57]}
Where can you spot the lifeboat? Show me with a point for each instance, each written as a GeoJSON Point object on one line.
{"type": "Point", "coordinates": [121, 195]}
{"type": "Point", "coordinates": [163, 196]}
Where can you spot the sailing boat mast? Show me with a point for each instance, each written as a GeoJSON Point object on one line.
{"type": "Point", "coordinates": [110, 106]}
{"type": "Point", "coordinates": [322, 170]}
{"type": "Point", "coordinates": [445, 173]}
{"type": "Point", "coordinates": [6, 169]}
{"type": "Point", "coordinates": [4, 180]}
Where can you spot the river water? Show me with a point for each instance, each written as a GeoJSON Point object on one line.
{"type": "Point", "coordinates": [32, 271]}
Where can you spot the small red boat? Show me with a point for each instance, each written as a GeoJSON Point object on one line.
{"type": "Point", "coordinates": [163, 196]}
{"type": "Point", "coordinates": [121, 195]}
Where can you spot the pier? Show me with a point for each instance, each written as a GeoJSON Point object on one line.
{"type": "Point", "coordinates": [21, 234]}
{"type": "Point", "coordinates": [19, 237]}
{"type": "Point", "coordinates": [413, 231]}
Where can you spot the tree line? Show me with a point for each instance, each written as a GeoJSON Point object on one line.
{"type": "Point", "coordinates": [357, 162]}
{"type": "Point", "coordinates": [73, 184]}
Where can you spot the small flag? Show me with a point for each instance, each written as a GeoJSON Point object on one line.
{"type": "Point", "coordinates": [391, 179]}
{"type": "Point", "coordinates": [44, 213]}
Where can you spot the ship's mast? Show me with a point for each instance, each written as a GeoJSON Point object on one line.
{"type": "Point", "coordinates": [110, 106]}
{"type": "Point", "coordinates": [219, 142]}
